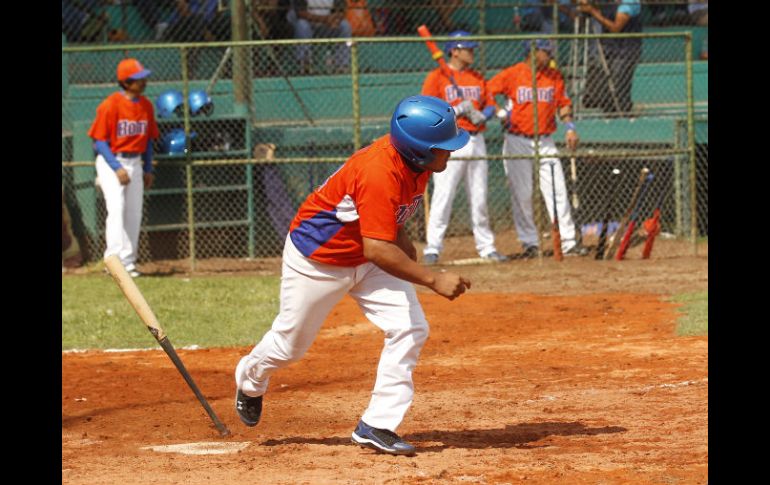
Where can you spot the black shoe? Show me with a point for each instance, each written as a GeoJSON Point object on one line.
{"type": "Point", "coordinates": [530, 252]}
{"type": "Point", "coordinates": [382, 440]}
{"type": "Point", "coordinates": [249, 408]}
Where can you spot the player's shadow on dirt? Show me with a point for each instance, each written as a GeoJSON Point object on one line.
{"type": "Point", "coordinates": [512, 436]}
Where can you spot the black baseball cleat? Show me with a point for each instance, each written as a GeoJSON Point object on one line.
{"type": "Point", "coordinates": [382, 440]}
{"type": "Point", "coordinates": [530, 252]}
{"type": "Point", "coordinates": [249, 408]}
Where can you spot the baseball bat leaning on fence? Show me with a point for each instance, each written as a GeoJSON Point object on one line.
{"type": "Point", "coordinates": [626, 241]}
{"type": "Point", "coordinates": [614, 239]}
{"type": "Point", "coordinates": [652, 226]}
{"type": "Point", "coordinates": [600, 246]}
{"type": "Point", "coordinates": [438, 56]}
{"type": "Point", "coordinates": [555, 234]}
{"type": "Point", "coordinates": [573, 180]}
{"type": "Point", "coordinates": [136, 299]}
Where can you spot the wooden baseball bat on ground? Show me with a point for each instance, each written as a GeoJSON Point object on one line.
{"type": "Point", "coordinates": [626, 241]}
{"type": "Point", "coordinates": [136, 299]}
{"type": "Point", "coordinates": [615, 239]}
{"type": "Point", "coordinates": [602, 244]}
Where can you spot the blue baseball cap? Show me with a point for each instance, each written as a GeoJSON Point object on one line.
{"type": "Point", "coordinates": [458, 42]}
{"type": "Point", "coordinates": [542, 44]}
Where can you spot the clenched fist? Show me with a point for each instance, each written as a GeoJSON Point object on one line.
{"type": "Point", "coordinates": [450, 285]}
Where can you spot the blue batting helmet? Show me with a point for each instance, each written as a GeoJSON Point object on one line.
{"type": "Point", "coordinates": [173, 142]}
{"type": "Point", "coordinates": [459, 43]}
{"type": "Point", "coordinates": [169, 103]}
{"type": "Point", "coordinates": [200, 103]}
{"type": "Point", "coordinates": [420, 123]}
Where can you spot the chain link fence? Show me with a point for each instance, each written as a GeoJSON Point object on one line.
{"type": "Point", "coordinates": [277, 127]}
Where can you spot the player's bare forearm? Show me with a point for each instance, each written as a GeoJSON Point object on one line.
{"type": "Point", "coordinates": [405, 243]}
{"type": "Point", "coordinates": [389, 257]}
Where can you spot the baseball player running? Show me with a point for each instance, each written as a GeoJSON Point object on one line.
{"type": "Point", "coordinates": [348, 237]}
{"type": "Point", "coordinates": [472, 96]}
{"type": "Point", "coordinates": [122, 130]}
{"type": "Point", "coordinates": [515, 83]}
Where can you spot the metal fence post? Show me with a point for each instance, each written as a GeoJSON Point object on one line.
{"type": "Point", "coordinates": [691, 144]}
{"type": "Point", "coordinates": [188, 164]}
{"type": "Point", "coordinates": [356, 96]}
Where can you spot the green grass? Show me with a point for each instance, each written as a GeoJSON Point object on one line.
{"type": "Point", "coordinates": [695, 307]}
{"type": "Point", "coordinates": [210, 311]}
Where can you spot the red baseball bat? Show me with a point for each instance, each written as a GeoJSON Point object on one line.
{"type": "Point", "coordinates": [438, 56]}
{"type": "Point", "coordinates": [626, 241]}
{"type": "Point", "coordinates": [652, 226]}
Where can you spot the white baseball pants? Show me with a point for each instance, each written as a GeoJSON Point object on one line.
{"type": "Point", "coordinates": [519, 171]}
{"type": "Point", "coordinates": [444, 189]}
{"type": "Point", "coordinates": [124, 208]}
{"type": "Point", "coordinates": [309, 291]}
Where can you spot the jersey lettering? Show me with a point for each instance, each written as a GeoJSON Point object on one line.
{"type": "Point", "coordinates": [524, 95]}
{"type": "Point", "coordinates": [404, 212]}
{"type": "Point", "coordinates": [468, 92]}
{"type": "Point", "coordinates": [131, 128]}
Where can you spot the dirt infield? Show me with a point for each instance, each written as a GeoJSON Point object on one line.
{"type": "Point", "coordinates": [543, 373]}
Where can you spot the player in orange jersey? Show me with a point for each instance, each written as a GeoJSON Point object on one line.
{"type": "Point", "coordinates": [122, 132]}
{"type": "Point", "coordinates": [348, 237]}
{"type": "Point", "coordinates": [467, 92]}
{"type": "Point", "coordinates": [515, 83]}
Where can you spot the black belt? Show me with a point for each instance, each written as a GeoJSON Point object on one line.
{"type": "Point", "coordinates": [129, 154]}
{"type": "Point", "coordinates": [529, 136]}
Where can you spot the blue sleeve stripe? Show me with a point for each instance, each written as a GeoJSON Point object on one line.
{"type": "Point", "coordinates": [103, 148]}
{"type": "Point", "coordinates": [316, 231]}
{"type": "Point", "coordinates": [147, 157]}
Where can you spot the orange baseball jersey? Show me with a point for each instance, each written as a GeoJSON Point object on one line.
{"type": "Point", "coordinates": [125, 124]}
{"type": "Point", "coordinates": [516, 83]}
{"type": "Point", "coordinates": [471, 84]}
{"type": "Point", "coordinates": [372, 195]}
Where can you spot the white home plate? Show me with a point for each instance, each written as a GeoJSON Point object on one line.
{"type": "Point", "coordinates": [203, 448]}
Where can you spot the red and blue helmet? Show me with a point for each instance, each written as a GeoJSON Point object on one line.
{"type": "Point", "coordinates": [420, 123]}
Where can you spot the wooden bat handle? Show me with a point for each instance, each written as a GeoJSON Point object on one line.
{"type": "Point", "coordinates": [134, 296]}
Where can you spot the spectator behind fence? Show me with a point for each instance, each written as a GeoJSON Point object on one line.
{"type": "Point", "coordinates": [320, 19]}
{"type": "Point", "coordinates": [565, 17]}
{"type": "Point", "coordinates": [515, 83]}
{"type": "Point", "coordinates": [699, 12]}
{"type": "Point", "coordinates": [360, 19]}
{"type": "Point", "coordinates": [198, 21]}
{"type": "Point", "coordinates": [270, 19]}
{"type": "Point", "coordinates": [84, 20]}
{"type": "Point", "coordinates": [609, 87]}
{"type": "Point", "coordinates": [154, 14]}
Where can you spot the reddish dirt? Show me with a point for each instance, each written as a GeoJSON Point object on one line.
{"type": "Point", "coordinates": [551, 384]}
